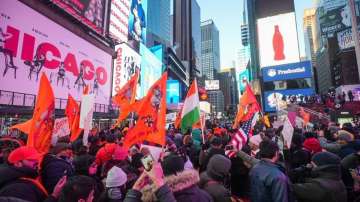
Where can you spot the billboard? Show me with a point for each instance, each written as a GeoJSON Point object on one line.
{"type": "Point", "coordinates": [41, 45]}
{"type": "Point", "coordinates": [287, 71]}
{"type": "Point", "coordinates": [271, 98]}
{"type": "Point", "coordinates": [88, 12]}
{"type": "Point", "coordinates": [243, 79]}
{"type": "Point", "coordinates": [277, 40]}
{"type": "Point", "coordinates": [151, 69]}
{"type": "Point", "coordinates": [345, 39]}
{"type": "Point", "coordinates": [119, 20]}
{"type": "Point", "coordinates": [172, 92]}
{"type": "Point", "coordinates": [138, 21]}
{"type": "Point", "coordinates": [126, 63]}
{"type": "Point", "coordinates": [212, 85]}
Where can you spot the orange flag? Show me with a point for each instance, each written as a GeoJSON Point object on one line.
{"type": "Point", "coordinates": [125, 97]}
{"type": "Point", "coordinates": [151, 121]}
{"type": "Point", "coordinates": [178, 119]}
{"type": "Point", "coordinates": [23, 127]}
{"type": "Point", "coordinates": [304, 115]}
{"type": "Point", "coordinates": [247, 106]}
{"type": "Point", "coordinates": [72, 111]}
{"type": "Point", "coordinates": [43, 117]}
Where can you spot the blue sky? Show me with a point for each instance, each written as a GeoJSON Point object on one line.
{"type": "Point", "coordinates": [227, 15]}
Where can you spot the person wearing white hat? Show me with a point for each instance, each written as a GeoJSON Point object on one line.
{"type": "Point", "coordinates": [115, 185]}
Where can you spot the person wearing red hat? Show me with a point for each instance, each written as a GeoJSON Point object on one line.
{"type": "Point", "coordinates": [19, 178]}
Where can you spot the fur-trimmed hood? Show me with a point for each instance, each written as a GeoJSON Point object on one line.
{"type": "Point", "coordinates": [178, 182]}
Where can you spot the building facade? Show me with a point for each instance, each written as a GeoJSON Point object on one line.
{"type": "Point", "coordinates": [158, 33]}
{"type": "Point", "coordinates": [228, 85]}
{"type": "Point", "coordinates": [210, 50]}
{"type": "Point", "coordinates": [216, 99]}
{"type": "Point", "coordinates": [310, 33]}
{"type": "Point", "coordinates": [196, 37]}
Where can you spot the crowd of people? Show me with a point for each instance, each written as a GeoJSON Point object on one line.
{"type": "Point", "coordinates": [322, 164]}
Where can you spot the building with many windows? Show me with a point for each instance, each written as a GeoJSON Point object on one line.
{"type": "Point", "coordinates": [210, 50]}
{"type": "Point", "coordinates": [158, 33]}
{"type": "Point", "coordinates": [216, 99]}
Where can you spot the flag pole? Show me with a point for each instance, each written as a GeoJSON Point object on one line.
{"type": "Point", "coordinates": [202, 127]}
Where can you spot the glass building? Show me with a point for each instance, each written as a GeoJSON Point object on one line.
{"type": "Point", "coordinates": [210, 50]}
{"type": "Point", "coordinates": [158, 33]}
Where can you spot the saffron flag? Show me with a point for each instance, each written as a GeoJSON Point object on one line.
{"type": "Point", "coordinates": [190, 113]}
{"type": "Point", "coordinates": [125, 97]}
{"type": "Point", "coordinates": [43, 117]}
{"type": "Point", "coordinates": [23, 127]}
{"type": "Point", "coordinates": [72, 111]}
{"type": "Point", "coordinates": [178, 119]}
{"type": "Point", "coordinates": [151, 121]}
{"type": "Point", "coordinates": [247, 107]}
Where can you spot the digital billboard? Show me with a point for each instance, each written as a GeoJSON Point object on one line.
{"type": "Point", "coordinates": [287, 71]}
{"type": "Point", "coordinates": [212, 85]}
{"type": "Point", "coordinates": [119, 20]}
{"type": "Point", "coordinates": [151, 69]}
{"type": "Point", "coordinates": [138, 21]}
{"type": "Point", "coordinates": [88, 12]}
{"type": "Point", "coordinates": [172, 92]}
{"type": "Point", "coordinates": [31, 47]}
{"type": "Point", "coordinates": [126, 63]}
{"type": "Point", "coordinates": [277, 40]}
{"type": "Point", "coordinates": [345, 39]}
{"type": "Point", "coordinates": [272, 98]}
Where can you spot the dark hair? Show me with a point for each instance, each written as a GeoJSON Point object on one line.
{"type": "Point", "coordinates": [77, 187]}
{"type": "Point", "coordinates": [268, 149]}
{"type": "Point", "coordinates": [111, 138]}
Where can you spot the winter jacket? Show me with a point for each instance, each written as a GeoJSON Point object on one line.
{"type": "Point", "coordinates": [205, 157]}
{"type": "Point", "coordinates": [215, 189]}
{"type": "Point", "coordinates": [330, 147]}
{"type": "Point", "coordinates": [350, 148]}
{"type": "Point", "coordinates": [13, 184]}
{"type": "Point", "coordinates": [184, 187]}
{"type": "Point", "coordinates": [53, 169]}
{"type": "Point", "coordinates": [105, 153]}
{"type": "Point", "coordinates": [268, 183]}
{"type": "Point", "coordinates": [327, 186]}
{"type": "Point", "coordinates": [163, 194]}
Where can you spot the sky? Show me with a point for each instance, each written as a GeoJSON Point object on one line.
{"type": "Point", "coordinates": [228, 18]}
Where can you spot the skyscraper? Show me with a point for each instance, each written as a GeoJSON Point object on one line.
{"type": "Point", "coordinates": [196, 35]}
{"type": "Point", "coordinates": [228, 85]}
{"type": "Point", "coordinates": [210, 50]}
{"type": "Point", "coordinates": [310, 33]}
{"type": "Point", "coordinates": [158, 33]}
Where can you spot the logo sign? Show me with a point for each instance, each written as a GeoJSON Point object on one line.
{"type": "Point", "coordinates": [31, 47]}
{"type": "Point", "coordinates": [278, 41]}
{"type": "Point", "coordinates": [212, 85]}
{"type": "Point", "coordinates": [274, 98]}
{"type": "Point", "coordinates": [287, 71]}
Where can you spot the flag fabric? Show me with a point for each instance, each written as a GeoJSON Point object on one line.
{"type": "Point", "coordinates": [23, 127]}
{"type": "Point", "coordinates": [287, 132]}
{"type": "Point", "coordinates": [72, 111]}
{"type": "Point", "coordinates": [43, 117]}
{"type": "Point", "coordinates": [248, 105]}
{"type": "Point", "coordinates": [125, 97]}
{"type": "Point", "coordinates": [305, 116]}
{"type": "Point", "coordinates": [151, 121]}
{"type": "Point", "coordinates": [86, 115]}
{"type": "Point", "coordinates": [241, 136]}
{"type": "Point", "coordinates": [190, 113]}
{"type": "Point", "coordinates": [178, 119]}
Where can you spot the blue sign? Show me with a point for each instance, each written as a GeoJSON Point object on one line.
{"type": "Point", "coordinates": [287, 71]}
{"type": "Point", "coordinates": [243, 79]}
{"type": "Point", "coordinates": [172, 91]}
{"type": "Point", "coordinates": [271, 98]}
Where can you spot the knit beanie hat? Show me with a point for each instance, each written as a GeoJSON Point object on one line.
{"type": "Point", "coordinates": [172, 164]}
{"type": "Point", "coordinates": [313, 145]}
{"type": "Point", "coordinates": [326, 158]}
{"type": "Point", "coordinates": [23, 153]}
{"type": "Point", "coordinates": [218, 167]}
{"type": "Point", "coordinates": [59, 147]}
{"type": "Point", "coordinates": [116, 177]}
{"type": "Point", "coordinates": [345, 136]}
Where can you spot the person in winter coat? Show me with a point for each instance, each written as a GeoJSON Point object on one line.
{"type": "Point", "coordinates": [212, 181]}
{"type": "Point", "coordinates": [55, 165]}
{"type": "Point", "coordinates": [115, 186]}
{"type": "Point", "coordinates": [326, 185]}
{"type": "Point", "coordinates": [267, 180]}
{"type": "Point", "coordinates": [350, 166]}
{"type": "Point", "coordinates": [205, 155]}
{"type": "Point", "coordinates": [79, 188]}
{"type": "Point", "coordinates": [161, 190]}
{"type": "Point", "coordinates": [18, 180]}
{"type": "Point", "coordinates": [182, 183]}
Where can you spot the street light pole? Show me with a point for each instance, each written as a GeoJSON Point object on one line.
{"type": "Point", "coordinates": [355, 34]}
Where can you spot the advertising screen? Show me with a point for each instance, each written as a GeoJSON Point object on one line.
{"type": "Point", "coordinates": [88, 12]}
{"type": "Point", "coordinates": [287, 71]}
{"type": "Point", "coordinates": [212, 85]}
{"type": "Point", "coordinates": [151, 69]}
{"type": "Point", "coordinates": [277, 40]}
{"type": "Point", "coordinates": [172, 91]}
{"type": "Point", "coordinates": [345, 39]}
{"type": "Point", "coordinates": [119, 20]}
{"type": "Point", "coordinates": [271, 98]}
{"type": "Point", "coordinates": [138, 20]}
{"type": "Point", "coordinates": [30, 48]}
{"type": "Point", "coordinates": [125, 65]}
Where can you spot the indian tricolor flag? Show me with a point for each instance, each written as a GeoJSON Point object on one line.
{"type": "Point", "coordinates": [190, 113]}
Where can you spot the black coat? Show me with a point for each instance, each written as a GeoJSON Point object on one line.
{"type": "Point", "coordinates": [326, 186]}
{"type": "Point", "coordinates": [11, 184]}
{"type": "Point", "coordinates": [52, 170]}
{"type": "Point", "coordinates": [215, 189]}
